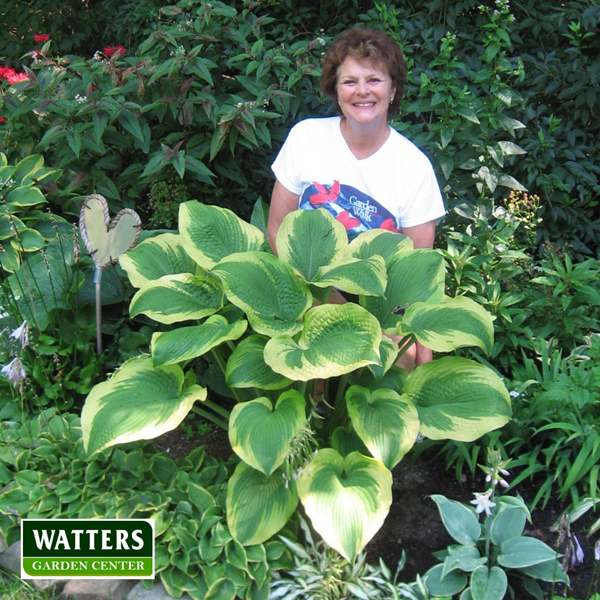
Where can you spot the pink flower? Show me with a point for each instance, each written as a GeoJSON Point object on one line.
{"type": "Point", "coordinates": [41, 37]}
{"type": "Point", "coordinates": [110, 50]}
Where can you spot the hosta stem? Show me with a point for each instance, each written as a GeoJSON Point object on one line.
{"type": "Point", "coordinates": [210, 417]}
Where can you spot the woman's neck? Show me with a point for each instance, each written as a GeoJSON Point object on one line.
{"type": "Point", "coordinates": [364, 141]}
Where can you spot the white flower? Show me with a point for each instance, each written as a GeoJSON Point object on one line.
{"type": "Point", "coordinates": [578, 550]}
{"type": "Point", "coordinates": [483, 503]}
{"type": "Point", "coordinates": [21, 334]}
{"type": "Point", "coordinates": [14, 371]}
{"type": "Point", "coordinates": [80, 99]}
{"type": "Point", "coordinates": [597, 550]}
{"type": "Point", "coordinates": [514, 394]}
{"type": "Point", "coordinates": [97, 55]}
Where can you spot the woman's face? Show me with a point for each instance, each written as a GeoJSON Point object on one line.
{"type": "Point", "coordinates": [364, 91]}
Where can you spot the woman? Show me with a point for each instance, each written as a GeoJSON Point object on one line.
{"type": "Point", "coordinates": [355, 165]}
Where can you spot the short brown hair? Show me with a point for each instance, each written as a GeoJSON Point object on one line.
{"type": "Point", "coordinates": [365, 43]}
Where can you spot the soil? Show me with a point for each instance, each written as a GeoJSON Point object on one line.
{"type": "Point", "coordinates": [414, 525]}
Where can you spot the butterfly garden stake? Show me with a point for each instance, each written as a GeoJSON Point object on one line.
{"type": "Point", "coordinates": [106, 240]}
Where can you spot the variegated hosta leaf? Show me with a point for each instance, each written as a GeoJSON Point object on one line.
{"type": "Point", "coordinates": [345, 440]}
{"type": "Point", "coordinates": [336, 339]}
{"type": "Point", "coordinates": [185, 343]}
{"type": "Point", "coordinates": [347, 499]}
{"type": "Point", "coordinates": [258, 506]}
{"type": "Point", "coordinates": [310, 239]}
{"type": "Point", "coordinates": [458, 399]}
{"type": "Point", "coordinates": [176, 298]}
{"type": "Point", "coordinates": [387, 423]}
{"type": "Point", "coordinates": [210, 233]}
{"type": "Point", "coordinates": [379, 241]}
{"type": "Point", "coordinates": [388, 352]}
{"type": "Point", "coordinates": [454, 323]}
{"type": "Point", "coordinates": [355, 276]}
{"type": "Point", "coordinates": [155, 257]}
{"type": "Point", "coordinates": [273, 297]}
{"type": "Point", "coordinates": [139, 402]}
{"type": "Point", "coordinates": [246, 367]}
{"type": "Point", "coordinates": [413, 276]}
{"type": "Point", "coordinates": [260, 435]}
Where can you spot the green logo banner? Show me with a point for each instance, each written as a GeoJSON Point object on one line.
{"type": "Point", "coordinates": [87, 548]}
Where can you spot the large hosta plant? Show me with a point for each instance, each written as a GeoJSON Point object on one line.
{"type": "Point", "coordinates": [216, 291]}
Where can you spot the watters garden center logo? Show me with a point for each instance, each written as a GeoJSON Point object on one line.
{"type": "Point", "coordinates": [84, 548]}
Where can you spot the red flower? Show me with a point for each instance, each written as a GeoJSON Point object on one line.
{"type": "Point", "coordinates": [41, 37]}
{"type": "Point", "coordinates": [11, 76]}
{"type": "Point", "coordinates": [110, 50]}
{"type": "Point", "coordinates": [2, 119]}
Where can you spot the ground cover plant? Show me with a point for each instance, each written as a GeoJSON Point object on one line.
{"type": "Point", "coordinates": [156, 106]}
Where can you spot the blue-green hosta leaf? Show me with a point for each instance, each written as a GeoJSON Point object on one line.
{"type": "Point", "coordinates": [378, 241]}
{"type": "Point", "coordinates": [388, 352]}
{"type": "Point", "coordinates": [267, 290]}
{"type": "Point", "coordinates": [246, 367]}
{"type": "Point", "coordinates": [260, 435]}
{"type": "Point", "coordinates": [459, 520]}
{"type": "Point", "coordinates": [463, 558]}
{"type": "Point", "coordinates": [355, 276]}
{"type": "Point", "coordinates": [549, 570]}
{"type": "Point", "coordinates": [139, 402]}
{"type": "Point", "coordinates": [155, 257]}
{"type": "Point", "coordinates": [176, 298]}
{"type": "Point", "coordinates": [258, 506]}
{"type": "Point", "coordinates": [347, 499]}
{"type": "Point", "coordinates": [452, 324]}
{"type": "Point", "coordinates": [458, 399]}
{"type": "Point", "coordinates": [523, 551]}
{"type": "Point", "coordinates": [413, 276]}
{"type": "Point", "coordinates": [508, 522]}
{"type": "Point", "coordinates": [185, 343]}
{"type": "Point", "coordinates": [336, 339]}
{"type": "Point", "coordinates": [211, 233]}
{"type": "Point", "coordinates": [387, 423]}
{"type": "Point", "coordinates": [310, 239]}
{"type": "Point", "coordinates": [488, 584]}
{"type": "Point", "coordinates": [449, 585]}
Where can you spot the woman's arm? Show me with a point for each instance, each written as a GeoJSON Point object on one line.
{"type": "Point", "coordinates": [282, 202]}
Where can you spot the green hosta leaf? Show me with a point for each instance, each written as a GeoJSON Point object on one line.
{"type": "Point", "coordinates": [267, 290]}
{"type": "Point", "coordinates": [388, 352]}
{"type": "Point", "coordinates": [508, 522]}
{"type": "Point", "coordinates": [176, 298]}
{"type": "Point", "coordinates": [310, 239]}
{"type": "Point", "coordinates": [347, 499]}
{"type": "Point", "coordinates": [345, 440]}
{"type": "Point", "coordinates": [24, 196]}
{"type": "Point", "coordinates": [138, 402]}
{"type": "Point", "coordinates": [387, 423]}
{"type": "Point", "coordinates": [378, 241]}
{"type": "Point", "coordinates": [413, 276]}
{"type": "Point", "coordinates": [355, 276]}
{"type": "Point", "coordinates": [28, 240]}
{"type": "Point", "coordinates": [549, 570]}
{"type": "Point", "coordinates": [457, 399]}
{"type": "Point", "coordinates": [451, 584]}
{"type": "Point", "coordinates": [488, 584]}
{"type": "Point", "coordinates": [222, 589]}
{"type": "Point", "coordinates": [155, 257]}
{"type": "Point", "coordinates": [336, 339]}
{"type": "Point", "coordinates": [523, 551]}
{"type": "Point", "coordinates": [246, 367]}
{"type": "Point", "coordinates": [459, 520]}
{"type": "Point", "coordinates": [452, 324]}
{"type": "Point", "coordinates": [185, 343]}
{"type": "Point", "coordinates": [211, 233]}
{"type": "Point", "coordinates": [260, 435]}
{"type": "Point", "coordinates": [258, 506]}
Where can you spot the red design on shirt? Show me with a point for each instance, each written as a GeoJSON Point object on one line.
{"type": "Point", "coordinates": [390, 225]}
{"type": "Point", "coordinates": [326, 194]}
{"type": "Point", "coordinates": [347, 220]}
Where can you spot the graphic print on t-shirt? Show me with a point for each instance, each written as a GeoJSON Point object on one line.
{"type": "Point", "coordinates": [354, 209]}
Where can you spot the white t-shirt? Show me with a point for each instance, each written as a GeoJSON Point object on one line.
{"type": "Point", "coordinates": [395, 187]}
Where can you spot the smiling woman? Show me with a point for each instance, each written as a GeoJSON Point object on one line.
{"type": "Point", "coordinates": [354, 165]}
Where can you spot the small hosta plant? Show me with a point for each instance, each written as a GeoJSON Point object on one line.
{"type": "Point", "coordinates": [217, 294]}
